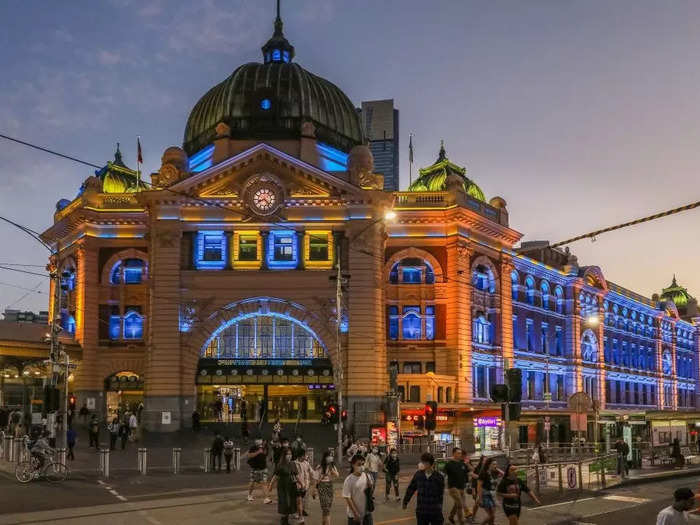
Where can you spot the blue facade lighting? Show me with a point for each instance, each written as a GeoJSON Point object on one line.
{"type": "Point", "coordinates": [133, 325]}
{"type": "Point", "coordinates": [265, 104]}
{"type": "Point", "coordinates": [331, 159]}
{"type": "Point", "coordinates": [282, 250]}
{"type": "Point", "coordinates": [211, 250]}
{"type": "Point", "coordinates": [115, 327]}
{"type": "Point", "coordinates": [202, 160]}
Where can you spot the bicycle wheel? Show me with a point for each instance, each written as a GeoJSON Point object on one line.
{"type": "Point", "coordinates": [24, 471]}
{"type": "Point", "coordinates": [55, 472]}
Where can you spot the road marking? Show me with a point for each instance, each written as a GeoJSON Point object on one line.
{"type": "Point", "coordinates": [109, 489]}
{"type": "Point", "coordinates": [557, 504]}
{"type": "Point", "coordinates": [628, 499]}
{"type": "Point", "coordinates": [399, 520]}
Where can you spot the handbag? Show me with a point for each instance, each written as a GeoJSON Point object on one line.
{"type": "Point", "coordinates": [369, 506]}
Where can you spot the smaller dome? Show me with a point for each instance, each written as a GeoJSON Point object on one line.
{"type": "Point", "coordinates": [498, 202]}
{"type": "Point", "coordinates": [116, 177]}
{"type": "Point", "coordinates": [61, 204]}
{"type": "Point", "coordinates": [437, 177]}
{"type": "Point", "coordinates": [678, 294]}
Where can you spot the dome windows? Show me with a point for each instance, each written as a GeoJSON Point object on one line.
{"type": "Point", "coordinates": [265, 104]}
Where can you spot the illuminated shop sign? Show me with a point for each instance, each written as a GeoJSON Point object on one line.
{"type": "Point", "coordinates": [265, 362]}
{"type": "Point", "coordinates": [487, 421]}
{"type": "Point", "coordinates": [321, 387]}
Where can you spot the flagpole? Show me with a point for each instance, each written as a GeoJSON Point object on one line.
{"type": "Point", "coordinates": [138, 162]}
{"type": "Point", "coordinates": [410, 159]}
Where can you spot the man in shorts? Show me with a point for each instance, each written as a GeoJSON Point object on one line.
{"type": "Point", "coordinates": [458, 474]}
{"type": "Point", "coordinates": [510, 489]}
{"type": "Point", "coordinates": [257, 461]}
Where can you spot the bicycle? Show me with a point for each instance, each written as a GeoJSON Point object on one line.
{"type": "Point", "coordinates": [29, 470]}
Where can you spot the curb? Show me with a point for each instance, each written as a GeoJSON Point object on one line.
{"type": "Point", "coordinates": [684, 473]}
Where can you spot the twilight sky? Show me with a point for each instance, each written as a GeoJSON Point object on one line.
{"type": "Point", "coordinates": [580, 113]}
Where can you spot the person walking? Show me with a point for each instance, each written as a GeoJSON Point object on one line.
{"type": "Point", "coordinates": [195, 420]}
{"type": "Point", "coordinates": [458, 474]}
{"type": "Point", "coordinates": [257, 461]}
{"type": "Point", "coordinates": [228, 453]}
{"type": "Point", "coordinates": [285, 476]}
{"type": "Point", "coordinates": [374, 464]}
{"type": "Point", "coordinates": [510, 489]}
{"type": "Point", "coordinates": [430, 486]}
{"type": "Point", "coordinates": [94, 432]}
{"type": "Point", "coordinates": [475, 485]}
{"type": "Point", "coordinates": [357, 489]}
{"type": "Point", "coordinates": [134, 427]}
{"type": "Point", "coordinates": [326, 472]}
{"type": "Point", "coordinates": [113, 429]}
{"type": "Point", "coordinates": [84, 412]}
{"type": "Point", "coordinates": [304, 478]}
{"type": "Point", "coordinates": [123, 433]}
{"type": "Point", "coordinates": [676, 453]}
{"type": "Point", "coordinates": [677, 513]}
{"type": "Point", "coordinates": [298, 448]}
{"type": "Point", "coordinates": [486, 489]}
{"type": "Point", "coordinates": [392, 468]}
{"type": "Point", "coordinates": [217, 450]}
{"type": "Point", "coordinates": [71, 438]}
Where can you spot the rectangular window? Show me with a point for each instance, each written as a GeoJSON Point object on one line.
{"type": "Point", "coordinates": [559, 341]}
{"type": "Point", "coordinates": [411, 275]}
{"type": "Point", "coordinates": [560, 388]}
{"type": "Point", "coordinates": [429, 323]}
{"type": "Point", "coordinates": [115, 327]}
{"type": "Point", "coordinates": [618, 392]}
{"type": "Point", "coordinates": [412, 322]}
{"type": "Point", "coordinates": [412, 367]}
{"type": "Point", "coordinates": [211, 250]}
{"type": "Point", "coordinates": [213, 247]}
{"type": "Point", "coordinates": [284, 248]}
{"type": "Point", "coordinates": [393, 322]}
{"type": "Point", "coordinates": [515, 332]}
{"type": "Point", "coordinates": [530, 334]}
{"type": "Point", "coordinates": [531, 385]}
{"type": "Point", "coordinates": [248, 247]}
{"type": "Point", "coordinates": [318, 247]}
{"type": "Point", "coordinates": [430, 367]}
{"type": "Point", "coordinates": [414, 396]}
{"type": "Point", "coordinates": [402, 393]}
{"type": "Point", "coordinates": [544, 343]}
{"type": "Point", "coordinates": [480, 383]}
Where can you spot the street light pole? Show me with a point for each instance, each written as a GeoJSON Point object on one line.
{"type": "Point", "coordinates": [338, 351]}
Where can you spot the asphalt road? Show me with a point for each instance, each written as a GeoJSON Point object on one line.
{"type": "Point", "coordinates": [220, 499]}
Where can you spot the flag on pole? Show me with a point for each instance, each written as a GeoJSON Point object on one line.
{"type": "Point", "coordinates": [138, 152]}
{"type": "Point", "coordinates": [410, 148]}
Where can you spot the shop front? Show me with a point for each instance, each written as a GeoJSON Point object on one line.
{"type": "Point", "coordinates": [231, 390]}
{"type": "Point", "coordinates": [123, 393]}
{"type": "Point", "coordinates": [488, 432]}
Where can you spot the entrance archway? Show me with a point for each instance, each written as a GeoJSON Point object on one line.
{"type": "Point", "coordinates": [263, 364]}
{"type": "Point", "coordinates": [123, 393]}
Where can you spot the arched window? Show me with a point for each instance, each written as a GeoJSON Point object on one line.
{"type": "Point", "coordinates": [412, 270]}
{"type": "Point", "coordinates": [128, 271]}
{"type": "Point", "coordinates": [411, 322]}
{"type": "Point", "coordinates": [559, 297]}
{"type": "Point", "coordinates": [589, 347]}
{"type": "Point", "coordinates": [530, 290]}
{"type": "Point", "coordinates": [514, 280]}
{"type": "Point", "coordinates": [133, 325]}
{"type": "Point", "coordinates": [481, 330]}
{"type": "Point", "coordinates": [483, 279]}
{"type": "Point", "coordinates": [258, 335]}
{"type": "Point", "coordinates": [544, 289]}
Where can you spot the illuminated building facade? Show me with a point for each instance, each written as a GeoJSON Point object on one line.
{"type": "Point", "coordinates": [214, 285]}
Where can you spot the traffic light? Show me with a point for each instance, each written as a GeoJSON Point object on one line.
{"type": "Point", "coordinates": [71, 402]}
{"type": "Point", "coordinates": [499, 393]}
{"type": "Point", "coordinates": [514, 379]}
{"type": "Point", "coordinates": [513, 411]}
{"type": "Point", "coordinates": [344, 415]}
{"type": "Point", "coordinates": [419, 421]}
{"type": "Point", "coordinates": [51, 398]}
{"type": "Point", "coordinates": [333, 410]}
{"type": "Point", "coordinates": [430, 413]}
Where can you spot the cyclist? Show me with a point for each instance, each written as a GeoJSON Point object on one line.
{"type": "Point", "coordinates": [40, 449]}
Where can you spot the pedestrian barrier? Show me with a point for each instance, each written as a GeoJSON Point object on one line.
{"type": "Point", "coordinates": [142, 461]}
{"type": "Point", "coordinates": [9, 448]}
{"type": "Point", "coordinates": [177, 452]}
{"type": "Point", "coordinates": [19, 450]}
{"type": "Point", "coordinates": [60, 456]}
{"type": "Point", "coordinates": [207, 460]}
{"type": "Point", "coordinates": [104, 463]}
{"type": "Point", "coordinates": [236, 459]}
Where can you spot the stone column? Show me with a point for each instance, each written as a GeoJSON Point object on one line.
{"type": "Point", "coordinates": [265, 237]}
{"type": "Point", "coordinates": [88, 383]}
{"type": "Point", "coordinates": [674, 372]}
{"type": "Point", "coordinates": [575, 340]}
{"type": "Point", "coordinates": [300, 250]}
{"type": "Point", "coordinates": [507, 346]}
{"type": "Point", "coordinates": [601, 353]}
{"type": "Point", "coordinates": [459, 318]}
{"type": "Point", "coordinates": [659, 365]}
{"type": "Point", "coordinates": [164, 388]}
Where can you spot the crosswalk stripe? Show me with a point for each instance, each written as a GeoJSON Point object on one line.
{"type": "Point", "coordinates": [628, 499]}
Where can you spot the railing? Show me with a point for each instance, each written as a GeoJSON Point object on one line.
{"type": "Point", "coordinates": [432, 199]}
{"type": "Point", "coordinates": [593, 473]}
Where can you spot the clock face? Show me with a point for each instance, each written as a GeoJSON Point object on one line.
{"type": "Point", "coordinates": [264, 200]}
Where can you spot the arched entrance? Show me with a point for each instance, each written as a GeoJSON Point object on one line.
{"type": "Point", "coordinates": [267, 362]}
{"type": "Point", "coordinates": [123, 393]}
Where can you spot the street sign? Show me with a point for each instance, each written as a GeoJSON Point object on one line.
{"type": "Point", "coordinates": [580, 402]}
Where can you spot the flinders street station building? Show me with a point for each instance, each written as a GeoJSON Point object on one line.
{"type": "Point", "coordinates": [213, 283]}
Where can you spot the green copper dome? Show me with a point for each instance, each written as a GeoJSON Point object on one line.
{"type": "Point", "coordinates": [676, 293]}
{"type": "Point", "coordinates": [434, 178]}
{"type": "Point", "coordinates": [116, 177]}
{"type": "Point", "coordinates": [271, 101]}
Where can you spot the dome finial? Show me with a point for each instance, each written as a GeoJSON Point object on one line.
{"type": "Point", "coordinates": [278, 48]}
{"type": "Point", "coordinates": [118, 157]}
{"type": "Point", "coordinates": [442, 155]}
{"type": "Point", "coordinates": [673, 283]}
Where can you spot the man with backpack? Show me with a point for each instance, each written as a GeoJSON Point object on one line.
{"type": "Point", "coordinates": [257, 461]}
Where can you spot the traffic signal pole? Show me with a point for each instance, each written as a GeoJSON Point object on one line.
{"type": "Point", "coordinates": [338, 353]}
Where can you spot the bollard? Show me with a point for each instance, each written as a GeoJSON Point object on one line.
{"type": "Point", "coordinates": [176, 460]}
{"type": "Point", "coordinates": [561, 481]}
{"type": "Point", "coordinates": [310, 455]}
{"type": "Point", "coordinates": [19, 449]}
{"type": "Point", "coordinates": [60, 456]}
{"type": "Point", "coordinates": [142, 461]}
{"type": "Point", "coordinates": [104, 462]}
{"type": "Point", "coordinates": [580, 475]}
{"type": "Point", "coordinates": [207, 460]}
{"type": "Point", "coordinates": [236, 459]}
{"type": "Point", "coordinates": [9, 448]}
{"type": "Point", "coordinates": [537, 478]}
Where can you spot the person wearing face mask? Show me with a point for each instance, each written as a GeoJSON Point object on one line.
{"type": "Point", "coordinates": [325, 474]}
{"type": "Point", "coordinates": [356, 491]}
{"type": "Point", "coordinates": [373, 464]}
{"type": "Point", "coordinates": [430, 486]}
{"type": "Point", "coordinates": [486, 489]}
{"type": "Point", "coordinates": [510, 489]}
{"type": "Point", "coordinates": [392, 468]}
{"type": "Point", "coordinates": [286, 478]}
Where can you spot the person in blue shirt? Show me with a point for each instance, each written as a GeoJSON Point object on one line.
{"type": "Point", "coordinates": [430, 486]}
{"type": "Point", "coordinates": [71, 438]}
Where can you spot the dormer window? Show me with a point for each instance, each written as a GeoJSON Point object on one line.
{"type": "Point", "coordinates": [276, 55]}
{"type": "Point", "coordinates": [285, 56]}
